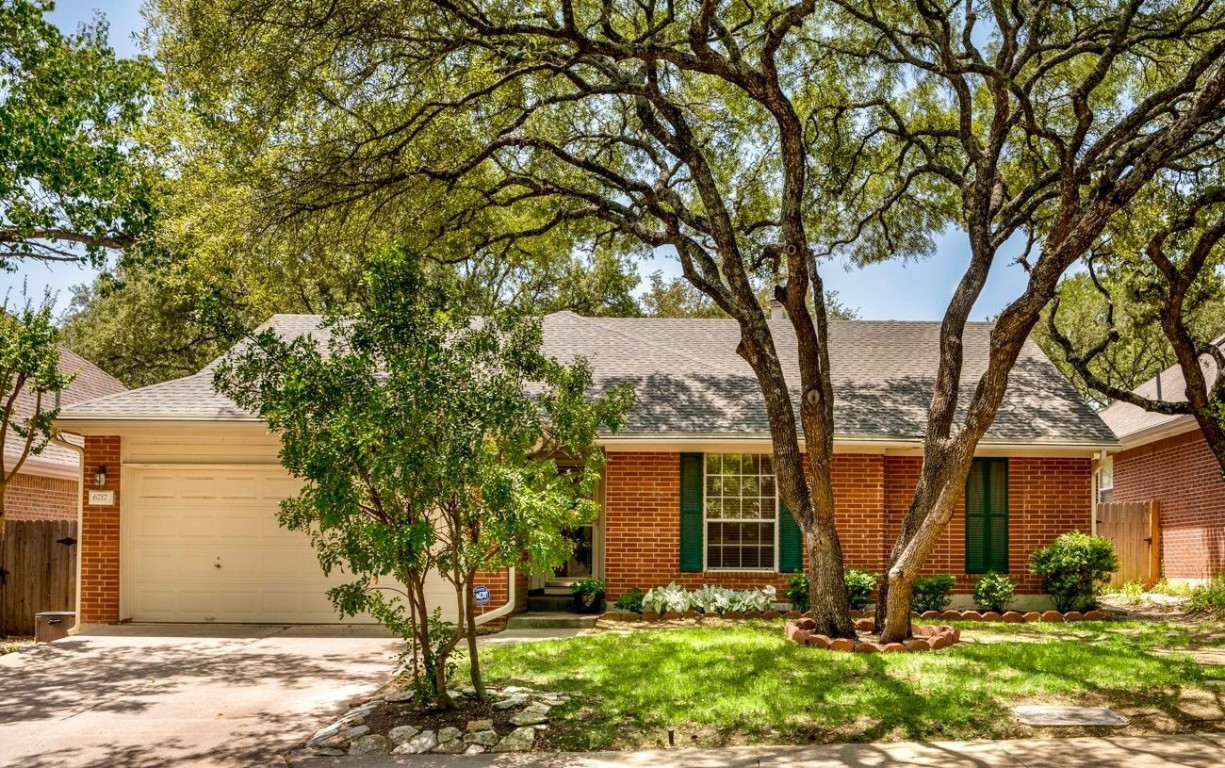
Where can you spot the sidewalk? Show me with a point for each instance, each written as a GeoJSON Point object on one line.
{"type": "Point", "coordinates": [1206, 750]}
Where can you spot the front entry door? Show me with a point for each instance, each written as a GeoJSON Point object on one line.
{"type": "Point", "coordinates": [581, 564]}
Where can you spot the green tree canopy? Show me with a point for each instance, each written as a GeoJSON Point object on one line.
{"type": "Point", "coordinates": [73, 183]}
{"type": "Point", "coordinates": [30, 383]}
{"type": "Point", "coordinates": [429, 441]}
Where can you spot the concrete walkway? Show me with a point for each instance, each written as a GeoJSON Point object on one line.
{"type": "Point", "coordinates": [145, 696]}
{"type": "Point", "coordinates": [1188, 751]}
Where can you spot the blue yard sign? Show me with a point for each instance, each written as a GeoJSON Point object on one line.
{"type": "Point", "coordinates": [481, 595]}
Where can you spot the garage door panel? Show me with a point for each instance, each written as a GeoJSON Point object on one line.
{"type": "Point", "coordinates": [178, 525]}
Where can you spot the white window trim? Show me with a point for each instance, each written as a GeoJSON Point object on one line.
{"type": "Point", "coordinates": [707, 521]}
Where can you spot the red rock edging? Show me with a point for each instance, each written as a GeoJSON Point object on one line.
{"type": "Point", "coordinates": [1016, 617]}
{"type": "Point", "coordinates": [926, 638]}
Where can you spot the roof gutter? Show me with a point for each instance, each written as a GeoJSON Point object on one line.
{"type": "Point", "coordinates": [1172, 428]}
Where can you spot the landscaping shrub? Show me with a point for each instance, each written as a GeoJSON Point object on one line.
{"type": "Point", "coordinates": [631, 601]}
{"type": "Point", "coordinates": [797, 592]}
{"type": "Point", "coordinates": [708, 599]}
{"type": "Point", "coordinates": [1209, 599]}
{"type": "Point", "coordinates": [859, 586]}
{"type": "Point", "coordinates": [588, 595]}
{"type": "Point", "coordinates": [1074, 569]}
{"type": "Point", "coordinates": [994, 592]}
{"type": "Point", "coordinates": [931, 593]}
{"type": "Point", "coordinates": [670, 598]}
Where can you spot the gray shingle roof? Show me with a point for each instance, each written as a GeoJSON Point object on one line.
{"type": "Point", "coordinates": [91, 382]}
{"type": "Point", "coordinates": [1127, 420]}
{"type": "Point", "coordinates": [689, 380]}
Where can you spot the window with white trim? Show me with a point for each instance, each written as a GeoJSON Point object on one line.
{"type": "Point", "coordinates": [1105, 480]}
{"type": "Point", "coordinates": [741, 512]}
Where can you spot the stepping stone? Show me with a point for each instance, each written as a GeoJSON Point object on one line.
{"type": "Point", "coordinates": [486, 738]}
{"type": "Point", "coordinates": [517, 700]}
{"type": "Point", "coordinates": [519, 740]}
{"type": "Point", "coordinates": [402, 733]}
{"type": "Point", "coordinates": [527, 717]}
{"type": "Point", "coordinates": [374, 744]}
{"type": "Point", "coordinates": [418, 745]}
{"type": "Point", "coordinates": [1055, 716]}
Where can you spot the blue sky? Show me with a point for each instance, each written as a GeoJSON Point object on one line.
{"type": "Point", "coordinates": [914, 291]}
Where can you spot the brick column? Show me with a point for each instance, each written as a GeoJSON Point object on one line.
{"type": "Point", "coordinates": [99, 535]}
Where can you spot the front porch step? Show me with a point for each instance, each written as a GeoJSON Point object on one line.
{"type": "Point", "coordinates": [557, 590]}
{"type": "Point", "coordinates": [549, 603]}
{"type": "Point", "coordinates": [551, 620]}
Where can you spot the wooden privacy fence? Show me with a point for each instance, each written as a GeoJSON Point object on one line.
{"type": "Point", "coordinates": [40, 560]}
{"type": "Point", "coordinates": [1135, 530]}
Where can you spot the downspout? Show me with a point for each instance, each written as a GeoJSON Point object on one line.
{"type": "Point", "coordinates": [80, 452]}
{"type": "Point", "coordinates": [506, 609]}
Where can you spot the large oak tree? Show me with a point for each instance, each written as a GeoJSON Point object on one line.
{"type": "Point", "coordinates": [755, 138]}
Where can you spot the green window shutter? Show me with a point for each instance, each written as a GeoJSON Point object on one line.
{"type": "Point", "coordinates": [691, 512]}
{"type": "Point", "coordinates": [997, 517]}
{"type": "Point", "coordinates": [987, 516]}
{"type": "Point", "coordinates": [790, 541]}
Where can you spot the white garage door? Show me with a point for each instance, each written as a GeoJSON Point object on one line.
{"type": "Point", "coordinates": [203, 545]}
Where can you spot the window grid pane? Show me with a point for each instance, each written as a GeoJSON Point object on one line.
{"type": "Point", "coordinates": [740, 512]}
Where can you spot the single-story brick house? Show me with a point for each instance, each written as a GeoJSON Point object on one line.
{"type": "Point", "coordinates": [1166, 459]}
{"type": "Point", "coordinates": [46, 487]}
{"type": "Point", "coordinates": [688, 493]}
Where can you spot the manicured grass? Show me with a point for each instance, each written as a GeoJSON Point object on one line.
{"type": "Point", "coordinates": [743, 683]}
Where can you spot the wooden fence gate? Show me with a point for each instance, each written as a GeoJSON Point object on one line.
{"type": "Point", "coordinates": [1135, 530]}
{"type": "Point", "coordinates": [39, 558]}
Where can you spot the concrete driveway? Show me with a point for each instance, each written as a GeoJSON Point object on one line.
{"type": "Point", "coordinates": [153, 695]}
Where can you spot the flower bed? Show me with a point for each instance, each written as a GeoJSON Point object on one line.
{"type": "Point", "coordinates": [926, 638]}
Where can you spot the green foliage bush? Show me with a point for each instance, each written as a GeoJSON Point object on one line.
{"type": "Point", "coordinates": [1209, 599]}
{"type": "Point", "coordinates": [587, 587]}
{"type": "Point", "coordinates": [993, 592]}
{"type": "Point", "coordinates": [1074, 569]}
{"type": "Point", "coordinates": [631, 601]}
{"type": "Point", "coordinates": [931, 593]}
{"type": "Point", "coordinates": [859, 586]}
{"type": "Point", "coordinates": [797, 592]}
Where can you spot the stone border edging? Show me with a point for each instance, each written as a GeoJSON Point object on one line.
{"type": "Point", "coordinates": [1016, 617]}
{"type": "Point", "coordinates": [926, 638]}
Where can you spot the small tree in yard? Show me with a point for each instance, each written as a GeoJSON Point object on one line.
{"type": "Point", "coordinates": [428, 441]}
{"type": "Point", "coordinates": [32, 381]}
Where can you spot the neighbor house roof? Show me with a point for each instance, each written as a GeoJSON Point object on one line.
{"type": "Point", "coordinates": [91, 382]}
{"type": "Point", "coordinates": [690, 382]}
{"type": "Point", "coordinates": [1133, 424]}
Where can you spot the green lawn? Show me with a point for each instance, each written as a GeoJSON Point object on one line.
{"type": "Point", "coordinates": [743, 683]}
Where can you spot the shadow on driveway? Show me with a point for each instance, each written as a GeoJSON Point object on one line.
{"type": "Point", "coordinates": [163, 695]}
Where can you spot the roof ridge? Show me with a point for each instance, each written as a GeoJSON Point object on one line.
{"type": "Point", "coordinates": [635, 337]}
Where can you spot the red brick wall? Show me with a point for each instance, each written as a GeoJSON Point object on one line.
{"type": "Point", "coordinates": [34, 497]}
{"type": "Point", "coordinates": [872, 492]}
{"type": "Point", "coordinates": [100, 537]}
{"type": "Point", "coordinates": [1046, 497]}
{"type": "Point", "coordinates": [1181, 473]}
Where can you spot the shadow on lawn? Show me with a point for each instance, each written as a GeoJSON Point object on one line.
{"type": "Point", "coordinates": [731, 684]}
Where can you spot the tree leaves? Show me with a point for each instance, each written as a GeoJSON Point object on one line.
{"type": "Point", "coordinates": [73, 184]}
